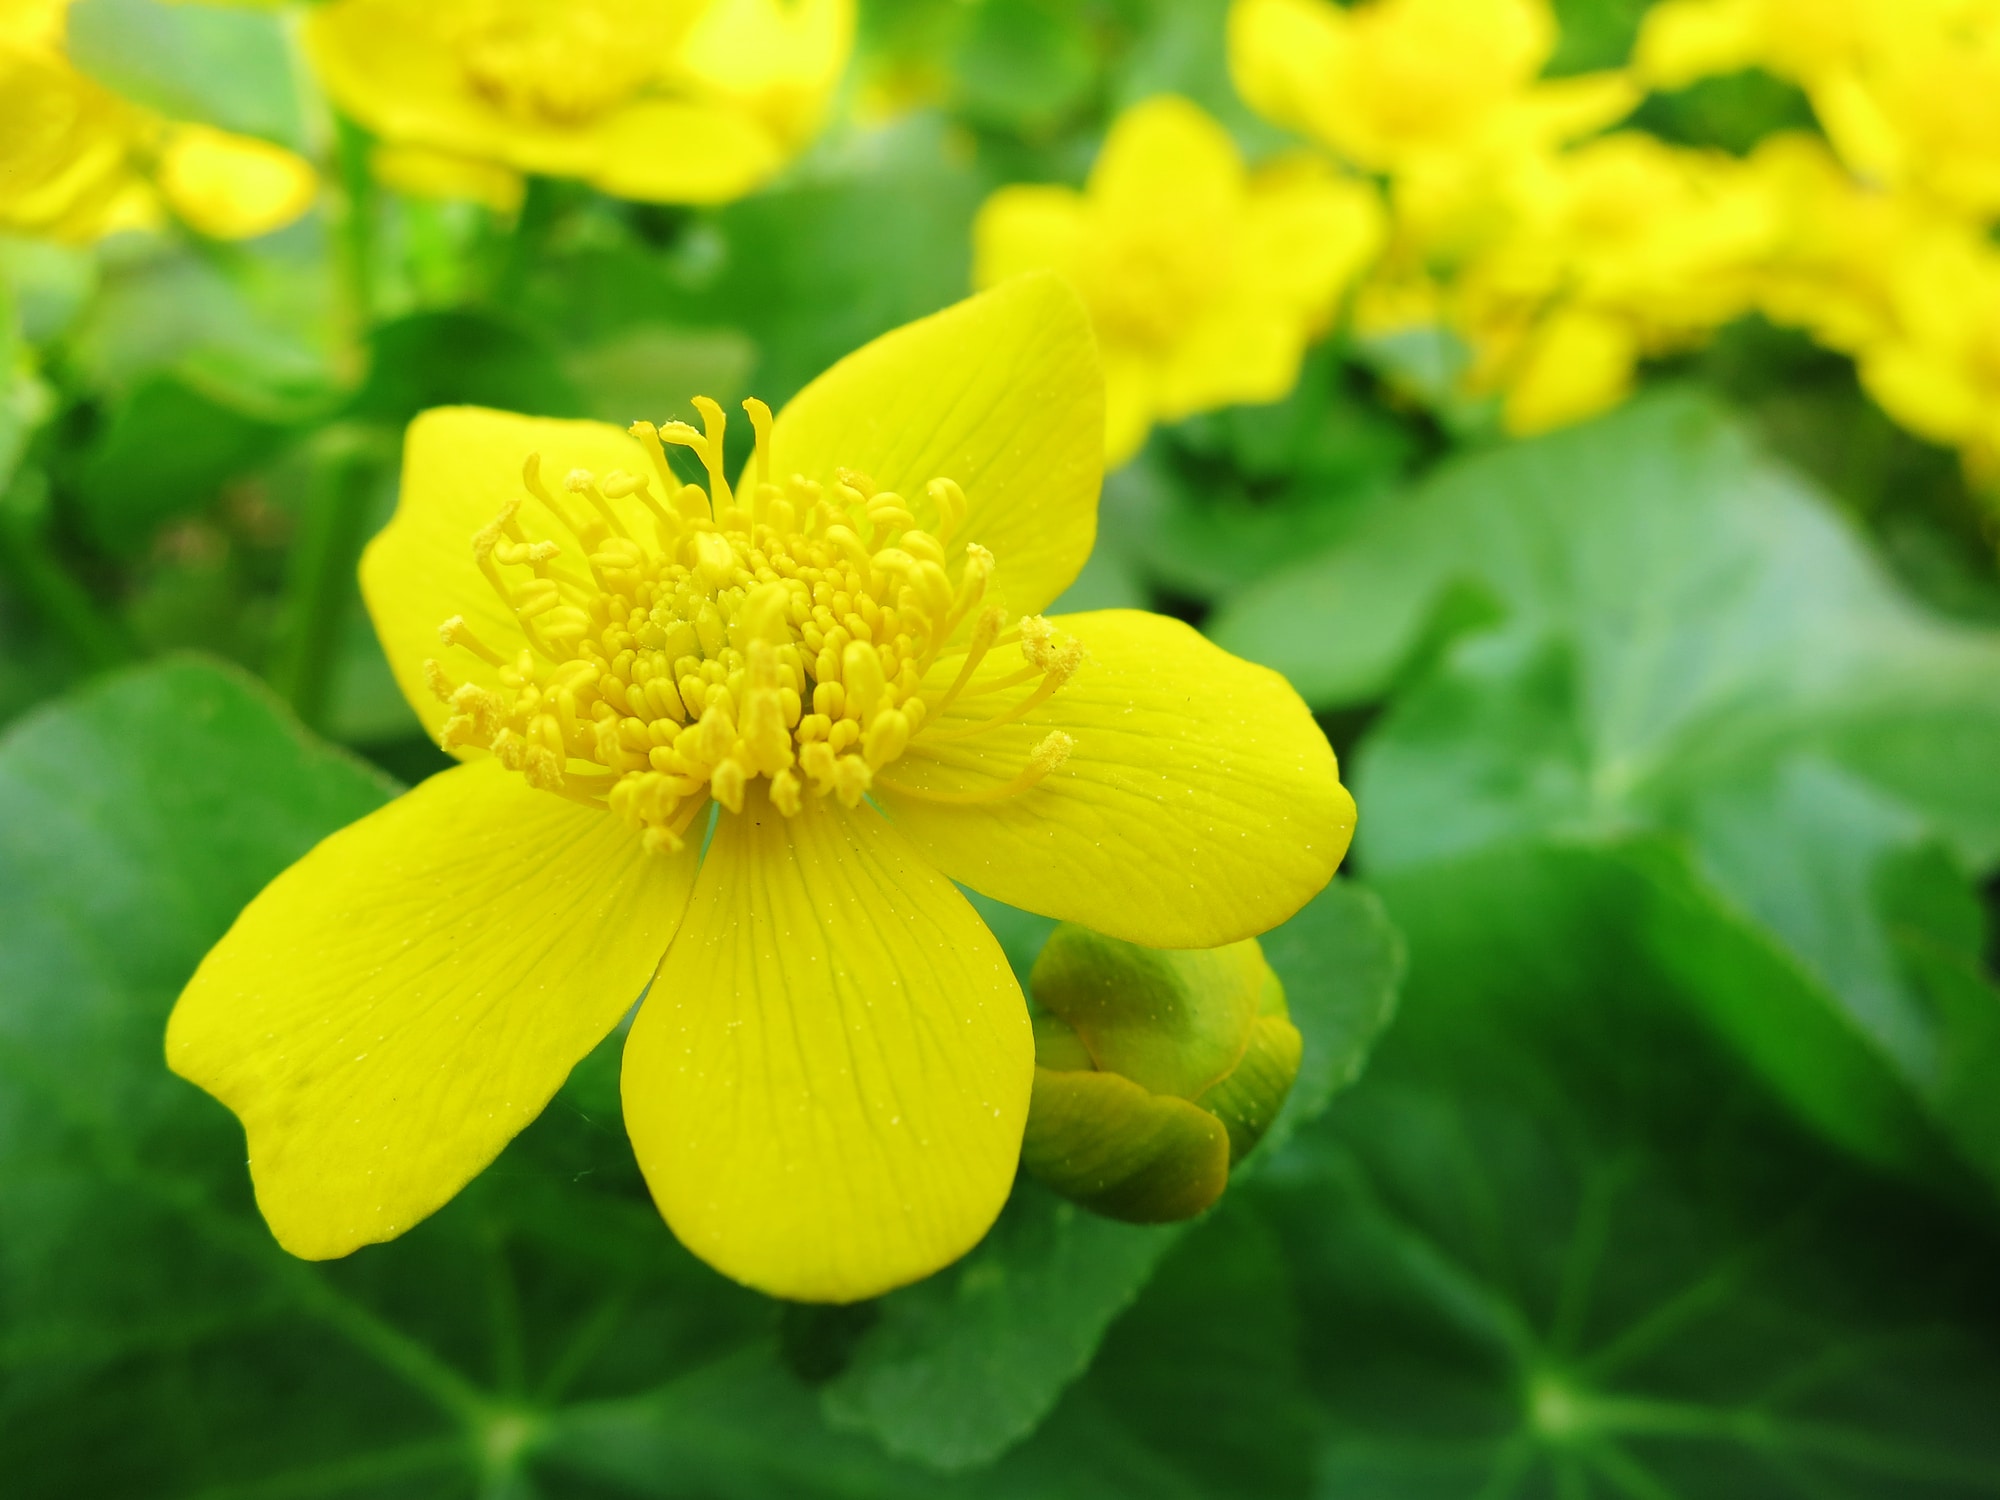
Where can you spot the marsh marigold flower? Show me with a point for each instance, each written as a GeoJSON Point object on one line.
{"type": "Point", "coordinates": [1621, 248]}
{"type": "Point", "coordinates": [1205, 280]}
{"type": "Point", "coordinates": [840, 656]}
{"type": "Point", "coordinates": [77, 162]}
{"type": "Point", "coordinates": [669, 101]}
{"type": "Point", "coordinates": [1388, 83]}
{"type": "Point", "coordinates": [1937, 371]}
{"type": "Point", "coordinates": [1907, 90]}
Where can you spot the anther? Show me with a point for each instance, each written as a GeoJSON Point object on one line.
{"type": "Point", "coordinates": [455, 632]}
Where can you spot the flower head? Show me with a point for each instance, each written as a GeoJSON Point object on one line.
{"type": "Point", "coordinates": [672, 101]}
{"type": "Point", "coordinates": [838, 660]}
{"type": "Point", "coordinates": [1907, 90]}
{"type": "Point", "coordinates": [1936, 369]}
{"type": "Point", "coordinates": [1204, 280]}
{"type": "Point", "coordinates": [77, 162]}
{"type": "Point", "coordinates": [1387, 83]}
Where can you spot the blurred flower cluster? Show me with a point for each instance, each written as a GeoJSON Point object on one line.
{"type": "Point", "coordinates": [78, 162]}
{"type": "Point", "coordinates": [1563, 256]}
{"type": "Point", "coordinates": [1560, 246]}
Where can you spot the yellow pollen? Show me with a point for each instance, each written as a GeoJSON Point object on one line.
{"type": "Point", "coordinates": [699, 639]}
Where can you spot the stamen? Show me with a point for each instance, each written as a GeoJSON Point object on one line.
{"type": "Point", "coordinates": [455, 632]}
{"type": "Point", "coordinates": [984, 630]}
{"type": "Point", "coordinates": [1053, 749]}
{"type": "Point", "coordinates": [760, 456]}
{"type": "Point", "coordinates": [680, 666]}
{"type": "Point", "coordinates": [707, 446]}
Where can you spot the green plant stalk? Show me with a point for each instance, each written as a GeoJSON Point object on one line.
{"type": "Point", "coordinates": [320, 574]}
{"type": "Point", "coordinates": [355, 234]}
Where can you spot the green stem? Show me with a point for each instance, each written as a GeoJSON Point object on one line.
{"type": "Point", "coordinates": [522, 247]}
{"type": "Point", "coordinates": [56, 594]}
{"type": "Point", "coordinates": [321, 572]}
{"type": "Point", "coordinates": [356, 231]}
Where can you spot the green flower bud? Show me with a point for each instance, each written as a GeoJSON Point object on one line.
{"type": "Point", "coordinates": [1156, 1071]}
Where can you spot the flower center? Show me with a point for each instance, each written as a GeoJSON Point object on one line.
{"type": "Point", "coordinates": [564, 64]}
{"type": "Point", "coordinates": [782, 632]}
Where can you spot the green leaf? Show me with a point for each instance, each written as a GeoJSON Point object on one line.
{"type": "Point", "coordinates": [155, 1338]}
{"type": "Point", "coordinates": [221, 65]}
{"type": "Point", "coordinates": [164, 453]}
{"type": "Point", "coordinates": [447, 358]}
{"type": "Point", "coordinates": [1559, 1243]}
{"type": "Point", "coordinates": [1689, 643]}
{"type": "Point", "coordinates": [813, 272]}
{"type": "Point", "coordinates": [250, 326]}
{"type": "Point", "coordinates": [961, 1367]}
{"type": "Point", "coordinates": [1024, 65]}
{"type": "Point", "coordinates": [1222, 499]}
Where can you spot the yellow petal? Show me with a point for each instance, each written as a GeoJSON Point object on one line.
{"type": "Point", "coordinates": [1286, 55]}
{"type": "Point", "coordinates": [1002, 393]}
{"type": "Point", "coordinates": [775, 60]}
{"type": "Point", "coordinates": [1200, 804]}
{"type": "Point", "coordinates": [1131, 401]}
{"type": "Point", "coordinates": [461, 464]}
{"type": "Point", "coordinates": [680, 151]}
{"type": "Point", "coordinates": [399, 67]}
{"type": "Point", "coordinates": [1242, 349]}
{"type": "Point", "coordinates": [1683, 40]}
{"type": "Point", "coordinates": [827, 1086]}
{"type": "Point", "coordinates": [1028, 227]}
{"type": "Point", "coordinates": [1167, 158]}
{"type": "Point", "coordinates": [233, 187]}
{"type": "Point", "coordinates": [423, 173]}
{"type": "Point", "coordinates": [397, 1005]}
{"type": "Point", "coordinates": [1579, 364]}
{"type": "Point", "coordinates": [1308, 233]}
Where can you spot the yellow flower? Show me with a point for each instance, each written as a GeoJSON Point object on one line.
{"type": "Point", "coordinates": [1907, 90]}
{"type": "Point", "coordinates": [1387, 82]}
{"type": "Point", "coordinates": [67, 150]}
{"type": "Point", "coordinates": [77, 162]}
{"type": "Point", "coordinates": [1938, 372]}
{"type": "Point", "coordinates": [1832, 269]}
{"type": "Point", "coordinates": [1620, 248]}
{"type": "Point", "coordinates": [828, 1081]}
{"type": "Point", "coordinates": [1204, 280]}
{"type": "Point", "coordinates": [671, 101]}
{"type": "Point", "coordinates": [1806, 41]}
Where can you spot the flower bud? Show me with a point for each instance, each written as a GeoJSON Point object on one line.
{"type": "Point", "coordinates": [1156, 1070]}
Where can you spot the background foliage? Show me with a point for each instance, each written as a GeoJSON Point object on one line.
{"type": "Point", "coordinates": [1674, 735]}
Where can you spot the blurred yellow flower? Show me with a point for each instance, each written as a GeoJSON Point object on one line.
{"type": "Point", "coordinates": [77, 162]}
{"type": "Point", "coordinates": [1907, 90]}
{"type": "Point", "coordinates": [672, 101]}
{"type": "Point", "coordinates": [233, 187]}
{"type": "Point", "coordinates": [1204, 280]}
{"type": "Point", "coordinates": [1806, 41]}
{"type": "Point", "coordinates": [1617, 249]}
{"type": "Point", "coordinates": [1938, 371]}
{"type": "Point", "coordinates": [68, 150]}
{"type": "Point", "coordinates": [1837, 243]}
{"type": "Point", "coordinates": [828, 1081]}
{"type": "Point", "coordinates": [1389, 81]}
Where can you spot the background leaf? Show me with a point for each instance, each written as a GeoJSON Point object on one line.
{"type": "Point", "coordinates": [1557, 1243]}
{"type": "Point", "coordinates": [1683, 638]}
